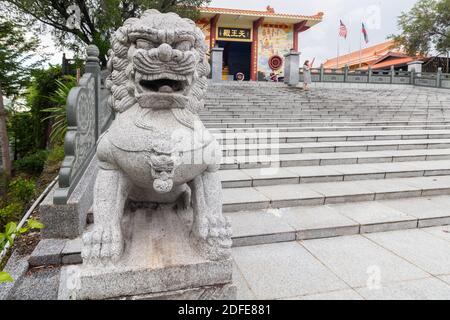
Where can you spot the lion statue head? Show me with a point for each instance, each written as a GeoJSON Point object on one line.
{"type": "Point", "coordinates": [158, 61]}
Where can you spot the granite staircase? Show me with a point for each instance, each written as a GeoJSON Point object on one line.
{"type": "Point", "coordinates": [301, 165]}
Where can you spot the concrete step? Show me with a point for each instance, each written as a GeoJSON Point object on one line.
{"type": "Point", "coordinates": [292, 126]}
{"type": "Point", "coordinates": [313, 174]}
{"type": "Point", "coordinates": [316, 194]}
{"type": "Point", "coordinates": [252, 137]}
{"type": "Point", "coordinates": [322, 118]}
{"type": "Point", "coordinates": [333, 158]}
{"type": "Point", "coordinates": [265, 127]}
{"type": "Point", "coordinates": [322, 147]}
{"type": "Point", "coordinates": [303, 223]}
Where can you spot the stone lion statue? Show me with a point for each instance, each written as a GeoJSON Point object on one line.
{"type": "Point", "coordinates": [157, 150]}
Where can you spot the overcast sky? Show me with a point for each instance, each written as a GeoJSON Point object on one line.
{"type": "Point", "coordinates": [380, 17]}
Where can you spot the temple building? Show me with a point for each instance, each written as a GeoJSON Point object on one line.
{"type": "Point", "coordinates": [379, 57]}
{"type": "Point", "coordinates": [250, 38]}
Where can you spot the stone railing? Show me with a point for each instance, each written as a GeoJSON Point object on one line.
{"type": "Point", "coordinates": [424, 79]}
{"type": "Point", "coordinates": [88, 116]}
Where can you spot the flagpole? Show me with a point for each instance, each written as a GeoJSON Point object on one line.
{"type": "Point", "coordinates": [337, 59]}
{"type": "Point", "coordinates": [360, 46]}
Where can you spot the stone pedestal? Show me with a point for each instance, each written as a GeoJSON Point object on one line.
{"type": "Point", "coordinates": [216, 64]}
{"type": "Point", "coordinates": [158, 263]}
{"type": "Point", "coordinates": [415, 66]}
{"type": "Point", "coordinates": [292, 68]}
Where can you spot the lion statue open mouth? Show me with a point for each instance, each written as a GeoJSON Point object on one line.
{"type": "Point", "coordinates": [157, 150]}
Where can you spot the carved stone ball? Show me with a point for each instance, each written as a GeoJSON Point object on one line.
{"type": "Point", "coordinates": [92, 51]}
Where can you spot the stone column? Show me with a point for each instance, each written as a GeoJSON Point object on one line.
{"type": "Point", "coordinates": [292, 68]}
{"type": "Point", "coordinates": [439, 77]}
{"type": "Point", "coordinates": [93, 66]}
{"type": "Point", "coordinates": [216, 64]}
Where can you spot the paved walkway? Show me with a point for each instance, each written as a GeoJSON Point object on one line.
{"type": "Point", "coordinates": [410, 264]}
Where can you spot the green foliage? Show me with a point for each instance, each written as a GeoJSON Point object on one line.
{"type": "Point", "coordinates": [32, 164]}
{"type": "Point", "coordinates": [9, 235]}
{"type": "Point", "coordinates": [58, 113]}
{"type": "Point", "coordinates": [56, 155]}
{"type": "Point", "coordinates": [10, 212]}
{"type": "Point", "coordinates": [5, 277]}
{"type": "Point", "coordinates": [99, 18]}
{"type": "Point", "coordinates": [20, 129]}
{"type": "Point", "coordinates": [21, 190]}
{"type": "Point", "coordinates": [425, 27]}
{"type": "Point", "coordinates": [16, 53]}
{"type": "Point", "coordinates": [40, 91]}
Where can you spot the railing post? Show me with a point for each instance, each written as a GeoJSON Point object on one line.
{"type": "Point", "coordinates": [322, 72]}
{"type": "Point", "coordinates": [216, 64]}
{"type": "Point", "coordinates": [345, 73]}
{"type": "Point", "coordinates": [438, 77]}
{"type": "Point", "coordinates": [392, 74]}
{"type": "Point", "coordinates": [93, 67]}
{"type": "Point", "coordinates": [369, 75]}
{"type": "Point", "coordinates": [412, 76]}
{"type": "Point", "coordinates": [291, 68]}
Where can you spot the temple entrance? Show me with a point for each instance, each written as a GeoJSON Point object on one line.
{"type": "Point", "coordinates": [236, 58]}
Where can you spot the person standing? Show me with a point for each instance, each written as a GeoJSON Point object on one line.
{"type": "Point", "coordinates": [307, 74]}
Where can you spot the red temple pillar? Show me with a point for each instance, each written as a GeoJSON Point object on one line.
{"type": "Point", "coordinates": [213, 37]}
{"type": "Point", "coordinates": [254, 51]}
{"type": "Point", "coordinates": [299, 27]}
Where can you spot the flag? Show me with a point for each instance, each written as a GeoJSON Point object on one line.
{"type": "Point", "coordinates": [364, 31]}
{"type": "Point", "coordinates": [343, 30]}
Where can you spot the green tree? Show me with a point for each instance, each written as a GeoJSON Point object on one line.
{"type": "Point", "coordinates": [16, 53]}
{"type": "Point", "coordinates": [426, 27]}
{"type": "Point", "coordinates": [79, 22]}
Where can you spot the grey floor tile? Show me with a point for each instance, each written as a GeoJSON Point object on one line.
{"type": "Point", "coordinates": [357, 260]}
{"type": "Point", "coordinates": [284, 270]}
{"type": "Point", "coordinates": [423, 289]}
{"type": "Point", "coordinates": [422, 249]}
{"type": "Point", "coordinates": [335, 295]}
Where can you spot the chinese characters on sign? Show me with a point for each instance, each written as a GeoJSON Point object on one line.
{"type": "Point", "coordinates": [235, 33]}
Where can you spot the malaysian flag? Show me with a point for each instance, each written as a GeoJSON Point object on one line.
{"type": "Point", "coordinates": [342, 30]}
{"type": "Point", "coordinates": [364, 31]}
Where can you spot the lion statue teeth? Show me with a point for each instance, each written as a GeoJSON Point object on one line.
{"type": "Point", "coordinates": [157, 150]}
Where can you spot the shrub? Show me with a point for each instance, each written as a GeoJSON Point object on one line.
{"type": "Point", "coordinates": [21, 190]}
{"type": "Point", "coordinates": [55, 156]}
{"type": "Point", "coordinates": [33, 163]}
{"type": "Point", "coordinates": [11, 212]}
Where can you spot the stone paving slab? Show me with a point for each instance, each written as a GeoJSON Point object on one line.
{"type": "Point", "coordinates": [442, 232]}
{"type": "Point", "coordinates": [422, 249]}
{"type": "Point", "coordinates": [47, 252]}
{"type": "Point", "coordinates": [284, 270]}
{"type": "Point", "coordinates": [291, 195]}
{"type": "Point", "coordinates": [430, 211]}
{"type": "Point", "coordinates": [251, 228]}
{"type": "Point", "coordinates": [375, 217]}
{"type": "Point", "coordinates": [355, 259]}
{"type": "Point", "coordinates": [318, 222]}
{"type": "Point", "coordinates": [422, 289]}
{"type": "Point", "coordinates": [334, 295]}
{"type": "Point", "coordinates": [239, 199]}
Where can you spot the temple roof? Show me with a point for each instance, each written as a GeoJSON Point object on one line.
{"type": "Point", "coordinates": [270, 16]}
{"type": "Point", "coordinates": [368, 55]}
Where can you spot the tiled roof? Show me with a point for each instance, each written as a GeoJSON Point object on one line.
{"type": "Point", "coordinates": [368, 55]}
{"type": "Point", "coordinates": [391, 62]}
{"type": "Point", "coordinates": [268, 13]}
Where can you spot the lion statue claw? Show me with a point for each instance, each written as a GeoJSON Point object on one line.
{"type": "Point", "coordinates": [157, 150]}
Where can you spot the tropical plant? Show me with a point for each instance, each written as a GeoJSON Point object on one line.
{"type": "Point", "coordinates": [58, 113]}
